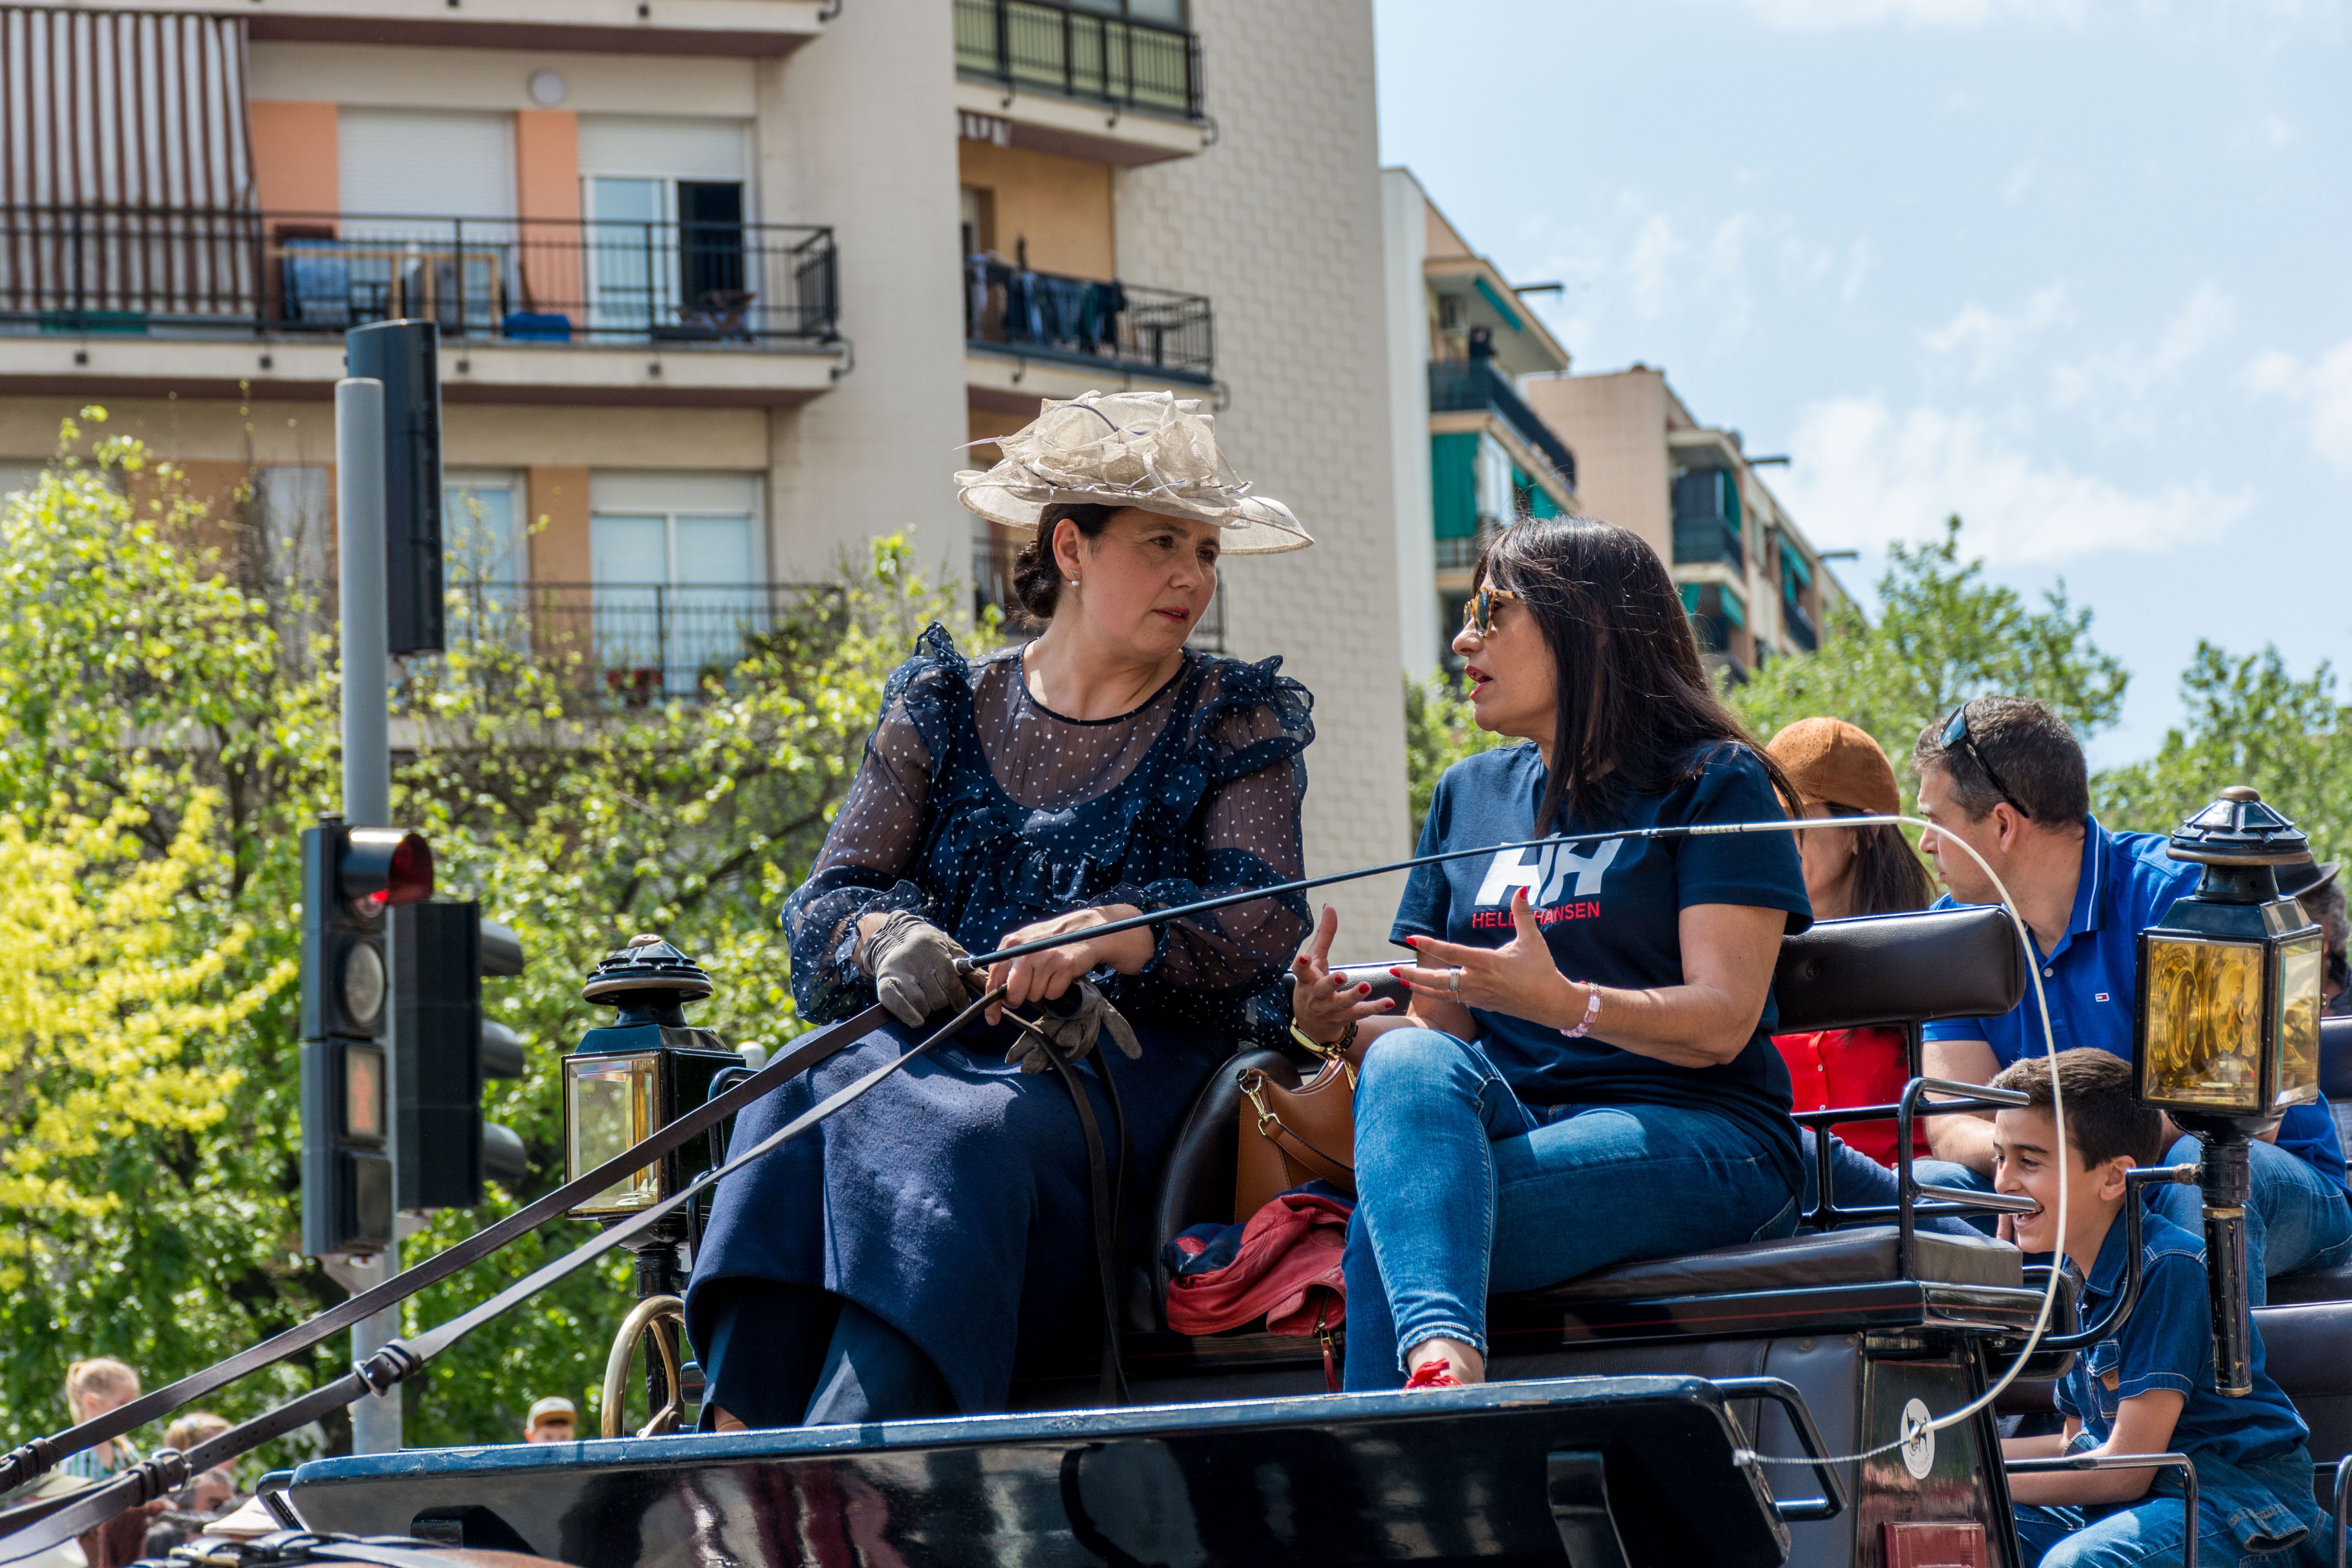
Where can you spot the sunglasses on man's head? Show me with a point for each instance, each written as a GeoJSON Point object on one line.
{"type": "Point", "coordinates": [1957, 739]}
{"type": "Point", "coordinates": [1478, 611]}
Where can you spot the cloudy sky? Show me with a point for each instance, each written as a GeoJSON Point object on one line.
{"type": "Point", "coordinates": [2077, 270]}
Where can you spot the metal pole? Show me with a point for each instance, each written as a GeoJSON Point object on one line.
{"type": "Point", "coordinates": [2228, 1181]}
{"type": "Point", "coordinates": [360, 568]}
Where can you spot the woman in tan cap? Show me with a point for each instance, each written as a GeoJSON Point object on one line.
{"type": "Point", "coordinates": [1839, 771]}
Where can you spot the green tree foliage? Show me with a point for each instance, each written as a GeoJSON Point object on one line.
{"type": "Point", "coordinates": [1943, 635]}
{"type": "Point", "coordinates": [166, 675]}
{"type": "Point", "coordinates": [1439, 731]}
{"type": "Point", "coordinates": [2250, 721]}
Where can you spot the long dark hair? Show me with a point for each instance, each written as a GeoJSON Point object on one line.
{"type": "Point", "coordinates": [1636, 711]}
{"type": "Point", "coordinates": [1888, 879]}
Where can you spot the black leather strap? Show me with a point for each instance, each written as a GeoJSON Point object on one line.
{"type": "Point", "coordinates": [1102, 1201]}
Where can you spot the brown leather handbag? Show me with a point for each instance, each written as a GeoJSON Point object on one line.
{"type": "Point", "coordinates": [1292, 1134]}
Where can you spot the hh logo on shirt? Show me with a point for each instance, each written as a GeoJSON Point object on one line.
{"type": "Point", "coordinates": [1549, 874]}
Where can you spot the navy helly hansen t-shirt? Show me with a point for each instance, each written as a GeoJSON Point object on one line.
{"type": "Point", "coordinates": [1610, 914]}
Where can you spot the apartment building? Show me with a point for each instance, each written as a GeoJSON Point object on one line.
{"type": "Point", "coordinates": [725, 286]}
{"type": "Point", "coordinates": [1471, 455]}
{"type": "Point", "coordinates": [1754, 586]}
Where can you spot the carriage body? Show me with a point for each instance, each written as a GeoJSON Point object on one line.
{"type": "Point", "coordinates": [1652, 1413]}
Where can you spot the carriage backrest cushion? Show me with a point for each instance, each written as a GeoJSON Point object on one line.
{"type": "Point", "coordinates": [1899, 969]}
{"type": "Point", "coordinates": [2336, 1058]}
{"type": "Point", "coordinates": [1874, 969]}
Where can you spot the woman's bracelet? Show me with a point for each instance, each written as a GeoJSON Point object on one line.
{"type": "Point", "coordinates": [1591, 1013]}
{"type": "Point", "coordinates": [1337, 1048]}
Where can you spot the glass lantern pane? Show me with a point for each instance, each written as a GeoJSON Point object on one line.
{"type": "Point", "coordinates": [2301, 963]}
{"type": "Point", "coordinates": [2205, 1014]}
{"type": "Point", "coordinates": [612, 1107]}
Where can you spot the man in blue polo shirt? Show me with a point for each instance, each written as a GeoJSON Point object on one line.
{"type": "Point", "coordinates": [2006, 776]}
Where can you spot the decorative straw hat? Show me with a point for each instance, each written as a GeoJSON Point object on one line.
{"type": "Point", "coordinates": [1148, 449]}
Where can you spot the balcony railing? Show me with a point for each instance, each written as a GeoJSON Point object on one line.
{"type": "Point", "coordinates": [1708, 542]}
{"type": "Point", "coordinates": [1461, 554]}
{"type": "Point", "coordinates": [163, 272]}
{"type": "Point", "coordinates": [992, 579]}
{"type": "Point", "coordinates": [1458, 386]}
{"type": "Point", "coordinates": [636, 643]}
{"type": "Point", "coordinates": [1080, 54]}
{"type": "Point", "coordinates": [1085, 320]}
{"type": "Point", "coordinates": [1799, 624]}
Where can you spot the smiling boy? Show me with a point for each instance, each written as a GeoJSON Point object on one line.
{"type": "Point", "coordinates": [2149, 1387]}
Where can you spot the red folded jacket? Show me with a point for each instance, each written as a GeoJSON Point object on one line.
{"type": "Point", "coordinates": [1285, 1270]}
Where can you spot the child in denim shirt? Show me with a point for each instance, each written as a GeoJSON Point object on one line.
{"type": "Point", "coordinates": [2149, 1387]}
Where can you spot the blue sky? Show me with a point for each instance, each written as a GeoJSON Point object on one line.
{"type": "Point", "coordinates": [2076, 270]}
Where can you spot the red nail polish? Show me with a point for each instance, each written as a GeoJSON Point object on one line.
{"type": "Point", "coordinates": [1398, 973]}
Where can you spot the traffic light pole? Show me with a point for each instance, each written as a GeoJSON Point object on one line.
{"type": "Point", "coordinates": [367, 779]}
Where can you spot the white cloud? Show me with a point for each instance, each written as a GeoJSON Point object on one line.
{"type": "Point", "coordinates": [1650, 262]}
{"type": "Point", "coordinates": [2020, 181]}
{"type": "Point", "coordinates": [2325, 387]}
{"type": "Point", "coordinates": [1990, 340]}
{"type": "Point", "coordinates": [2117, 379]}
{"type": "Point", "coordinates": [1864, 475]}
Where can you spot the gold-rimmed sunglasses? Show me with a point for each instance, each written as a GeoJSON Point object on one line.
{"type": "Point", "coordinates": [1478, 610]}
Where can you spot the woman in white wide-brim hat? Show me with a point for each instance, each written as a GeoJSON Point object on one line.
{"type": "Point", "coordinates": [932, 1240]}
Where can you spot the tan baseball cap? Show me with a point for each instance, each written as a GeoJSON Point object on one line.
{"type": "Point", "coordinates": [1832, 763]}
{"type": "Point", "coordinates": [553, 1405]}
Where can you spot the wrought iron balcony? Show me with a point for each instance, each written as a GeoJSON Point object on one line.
{"type": "Point", "coordinates": [1799, 625]}
{"type": "Point", "coordinates": [1469, 385]}
{"type": "Point", "coordinates": [631, 644]}
{"type": "Point", "coordinates": [1706, 542]}
{"type": "Point", "coordinates": [991, 586]}
{"type": "Point", "coordinates": [1087, 321]}
{"type": "Point", "coordinates": [1082, 54]}
{"type": "Point", "coordinates": [166, 272]}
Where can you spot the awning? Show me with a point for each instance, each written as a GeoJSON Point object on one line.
{"type": "Point", "coordinates": [123, 110]}
{"type": "Point", "coordinates": [1796, 562]}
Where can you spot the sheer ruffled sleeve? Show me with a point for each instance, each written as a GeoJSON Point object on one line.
{"type": "Point", "coordinates": [869, 860]}
{"type": "Point", "coordinates": [1244, 764]}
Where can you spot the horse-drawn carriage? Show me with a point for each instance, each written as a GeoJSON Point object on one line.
{"type": "Point", "coordinates": [1828, 1398]}
{"type": "Point", "coordinates": [1674, 1411]}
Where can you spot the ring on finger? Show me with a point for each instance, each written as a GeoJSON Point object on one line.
{"type": "Point", "coordinates": [1454, 982]}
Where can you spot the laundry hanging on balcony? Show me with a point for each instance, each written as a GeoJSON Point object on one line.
{"type": "Point", "coordinates": [126, 167]}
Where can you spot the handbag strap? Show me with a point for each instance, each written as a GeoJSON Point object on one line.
{"type": "Point", "coordinates": [1272, 1128]}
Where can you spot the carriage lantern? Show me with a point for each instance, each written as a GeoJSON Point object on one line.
{"type": "Point", "coordinates": [2229, 1026]}
{"type": "Point", "coordinates": [627, 1081]}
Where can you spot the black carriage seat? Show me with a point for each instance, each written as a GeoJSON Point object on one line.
{"type": "Point", "coordinates": [1894, 970]}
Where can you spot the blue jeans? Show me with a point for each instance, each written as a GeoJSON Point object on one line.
{"type": "Point", "coordinates": [1464, 1190]}
{"type": "Point", "coordinates": [2261, 1513]}
{"type": "Point", "coordinates": [2299, 1221]}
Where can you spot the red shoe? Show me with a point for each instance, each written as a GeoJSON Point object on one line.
{"type": "Point", "coordinates": [1432, 1374]}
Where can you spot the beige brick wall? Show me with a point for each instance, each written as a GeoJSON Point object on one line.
{"type": "Point", "coordinates": [1616, 425]}
{"type": "Point", "coordinates": [1279, 224]}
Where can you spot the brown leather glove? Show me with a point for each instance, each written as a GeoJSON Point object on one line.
{"type": "Point", "coordinates": [912, 964]}
{"type": "Point", "coordinates": [1073, 1033]}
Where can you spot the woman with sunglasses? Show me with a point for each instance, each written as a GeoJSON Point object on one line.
{"type": "Point", "coordinates": [1584, 1075]}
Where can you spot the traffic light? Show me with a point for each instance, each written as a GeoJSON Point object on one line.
{"type": "Point", "coordinates": [351, 877]}
{"type": "Point", "coordinates": [442, 1048]}
{"type": "Point", "coordinates": [405, 356]}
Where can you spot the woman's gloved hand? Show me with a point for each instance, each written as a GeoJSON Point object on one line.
{"type": "Point", "coordinates": [912, 964]}
{"type": "Point", "coordinates": [1072, 1033]}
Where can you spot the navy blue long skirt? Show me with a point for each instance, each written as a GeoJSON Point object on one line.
{"type": "Point", "coordinates": [950, 1202]}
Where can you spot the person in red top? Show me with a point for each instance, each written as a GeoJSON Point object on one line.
{"type": "Point", "coordinates": [1839, 771]}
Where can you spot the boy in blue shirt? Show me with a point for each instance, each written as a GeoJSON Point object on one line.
{"type": "Point", "coordinates": [2149, 1387]}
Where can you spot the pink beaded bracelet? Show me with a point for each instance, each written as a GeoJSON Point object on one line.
{"type": "Point", "coordinates": [1591, 1012]}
